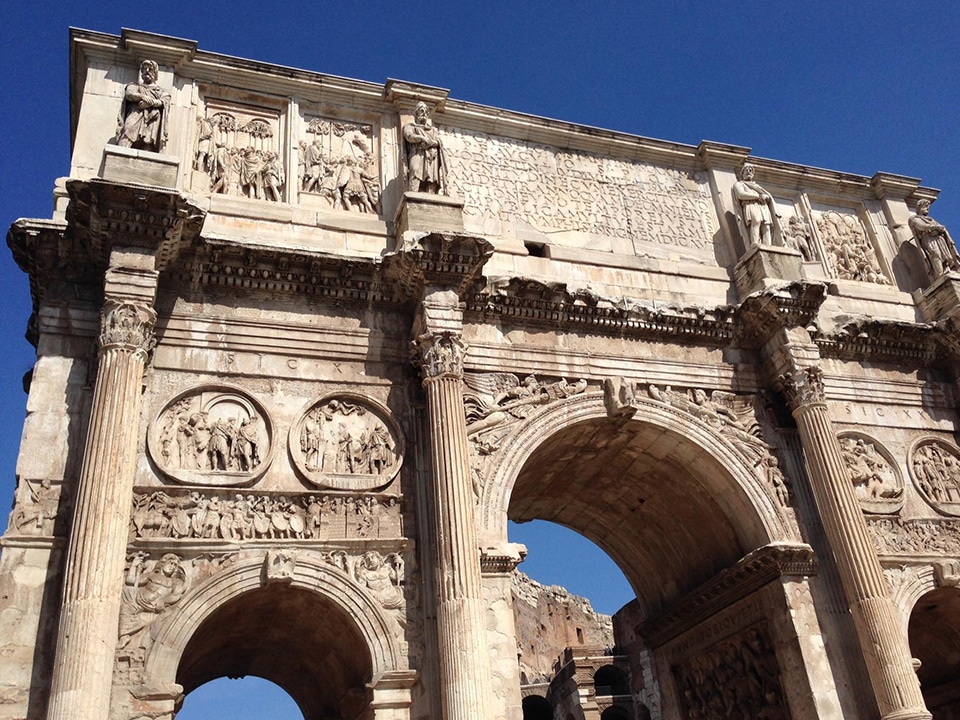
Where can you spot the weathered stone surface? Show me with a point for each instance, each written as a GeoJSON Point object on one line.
{"type": "Point", "coordinates": [347, 331]}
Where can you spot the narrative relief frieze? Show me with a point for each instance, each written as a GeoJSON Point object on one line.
{"type": "Point", "coordinates": [246, 516]}
{"type": "Point", "coordinates": [238, 152]}
{"type": "Point", "coordinates": [873, 472]}
{"type": "Point", "coordinates": [935, 470]}
{"type": "Point", "coordinates": [346, 442]}
{"type": "Point", "coordinates": [739, 677]}
{"type": "Point", "coordinates": [336, 163]}
{"type": "Point", "coordinates": [212, 436]}
{"type": "Point", "coordinates": [895, 536]}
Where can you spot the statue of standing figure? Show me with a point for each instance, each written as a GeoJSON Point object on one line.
{"type": "Point", "coordinates": [426, 164]}
{"type": "Point", "coordinates": [142, 123]}
{"type": "Point", "coordinates": [937, 245]}
{"type": "Point", "coordinates": [756, 211]}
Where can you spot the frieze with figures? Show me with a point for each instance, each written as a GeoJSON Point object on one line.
{"type": "Point", "coordinates": [238, 152]}
{"type": "Point", "coordinates": [850, 253]}
{"type": "Point", "coordinates": [738, 677]}
{"type": "Point", "coordinates": [336, 163]}
{"type": "Point", "coordinates": [895, 536]}
{"type": "Point", "coordinates": [212, 436]}
{"type": "Point", "coordinates": [935, 469]}
{"type": "Point", "coordinates": [244, 516]}
{"type": "Point", "coordinates": [346, 442]}
{"type": "Point", "coordinates": [873, 472]}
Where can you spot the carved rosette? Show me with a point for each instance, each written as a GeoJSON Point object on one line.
{"type": "Point", "coordinates": [214, 435]}
{"type": "Point", "coordinates": [440, 355]}
{"type": "Point", "coordinates": [802, 386]}
{"type": "Point", "coordinates": [935, 469]}
{"type": "Point", "coordinates": [127, 325]}
{"type": "Point", "coordinates": [346, 442]}
{"type": "Point", "coordinates": [873, 472]}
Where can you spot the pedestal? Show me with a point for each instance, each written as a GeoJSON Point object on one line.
{"type": "Point", "coordinates": [423, 212]}
{"type": "Point", "coordinates": [764, 266]}
{"type": "Point", "coordinates": [140, 167]}
{"type": "Point", "coordinates": [942, 299]}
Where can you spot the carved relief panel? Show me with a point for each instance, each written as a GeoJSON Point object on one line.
{"type": "Point", "coordinates": [241, 516]}
{"type": "Point", "coordinates": [739, 677]}
{"type": "Point", "coordinates": [212, 436]}
{"type": "Point", "coordinates": [337, 165]}
{"type": "Point", "coordinates": [848, 243]}
{"type": "Point", "coordinates": [238, 151]}
{"type": "Point", "coordinates": [873, 472]}
{"type": "Point", "coordinates": [346, 442]}
{"type": "Point", "coordinates": [935, 470]}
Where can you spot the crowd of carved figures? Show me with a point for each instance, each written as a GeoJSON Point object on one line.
{"type": "Point", "coordinates": [191, 440]}
{"type": "Point", "coordinates": [246, 517]}
{"type": "Point", "coordinates": [915, 537]}
{"type": "Point", "coordinates": [937, 473]}
{"type": "Point", "coordinates": [345, 438]}
{"type": "Point", "coordinates": [872, 476]}
{"type": "Point", "coordinates": [240, 158]}
{"type": "Point", "coordinates": [849, 249]}
{"type": "Point", "coordinates": [735, 680]}
{"type": "Point", "coordinates": [337, 164]}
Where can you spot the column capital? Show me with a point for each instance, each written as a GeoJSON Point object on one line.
{"type": "Point", "coordinates": [802, 386]}
{"type": "Point", "coordinates": [439, 354]}
{"type": "Point", "coordinates": [127, 325]}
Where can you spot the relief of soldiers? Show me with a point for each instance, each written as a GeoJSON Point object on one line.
{"type": "Point", "coordinates": [192, 441]}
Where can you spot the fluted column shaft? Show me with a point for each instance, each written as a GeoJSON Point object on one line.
{"type": "Point", "coordinates": [464, 664]}
{"type": "Point", "coordinates": [89, 620]}
{"type": "Point", "coordinates": [884, 646]}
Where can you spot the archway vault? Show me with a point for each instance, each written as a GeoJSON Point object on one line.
{"type": "Point", "coordinates": [319, 635]}
{"type": "Point", "coordinates": [671, 500]}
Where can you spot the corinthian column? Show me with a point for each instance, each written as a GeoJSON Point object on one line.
{"type": "Point", "coordinates": [90, 614]}
{"type": "Point", "coordinates": [464, 664]}
{"type": "Point", "coordinates": [884, 646]}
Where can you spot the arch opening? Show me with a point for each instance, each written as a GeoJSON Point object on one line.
{"type": "Point", "coordinates": [934, 634]}
{"type": "Point", "coordinates": [249, 697]}
{"type": "Point", "coordinates": [536, 707]}
{"type": "Point", "coordinates": [665, 510]}
{"type": "Point", "coordinates": [293, 637]}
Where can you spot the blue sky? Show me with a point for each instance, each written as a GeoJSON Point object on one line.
{"type": "Point", "coordinates": [855, 86]}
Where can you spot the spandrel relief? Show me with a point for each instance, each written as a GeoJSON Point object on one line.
{"type": "Point", "coordinates": [243, 516]}
{"type": "Point", "coordinates": [873, 472]}
{"type": "Point", "coordinates": [214, 436]}
{"type": "Point", "coordinates": [935, 469]}
{"type": "Point", "coordinates": [337, 165]}
{"type": "Point", "coordinates": [237, 152]}
{"type": "Point", "coordinates": [346, 442]}
{"type": "Point", "coordinates": [850, 252]}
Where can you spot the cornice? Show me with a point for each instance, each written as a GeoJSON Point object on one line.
{"type": "Point", "coordinates": [910, 344]}
{"type": "Point", "coordinates": [752, 572]}
{"type": "Point", "coordinates": [766, 312]}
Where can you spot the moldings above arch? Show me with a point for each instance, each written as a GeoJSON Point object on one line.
{"type": "Point", "coordinates": [309, 573]}
{"type": "Point", "coordinates": [754, 509]}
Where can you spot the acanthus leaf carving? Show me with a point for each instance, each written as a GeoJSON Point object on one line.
{"type": "Point", "coordinates": [440, 354]}
{"type": "Point", "coordinates": [802, 386]}
{"type": "Point", "coordinates": [127, 324]}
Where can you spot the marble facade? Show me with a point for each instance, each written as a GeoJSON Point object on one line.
{"type": "Point", "coordinates": [305, 344]}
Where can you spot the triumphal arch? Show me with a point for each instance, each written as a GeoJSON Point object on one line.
{"type": "Point", "coordinates": [305, 344]}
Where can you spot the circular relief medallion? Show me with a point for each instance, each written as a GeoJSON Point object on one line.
{"type": "Point", "coordinates": [212, 436]}
{"type": "Point", "coordinates": [876, 480]}
{"type": "Point", "coordinates": [935, 468]}
{"type": "Point", "coordinates": [346, 442]}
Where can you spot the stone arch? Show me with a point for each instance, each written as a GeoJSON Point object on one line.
{"type": "Point", "coordinates": [310, 574]}
{"type": "Point", "coordinates": [914, 585]}
{"type": "Point", "coordinates": [732, 488]}
{"type": "Point", "coordinates": [934, 635]}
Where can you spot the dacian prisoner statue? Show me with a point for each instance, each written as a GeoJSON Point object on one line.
{"type": "Point", "coordinates": [937, 245]}
{"type": "Point", "coordinates": [755, 209]}
{"type": "Point", "coordinates": [426, 164]}
{"type": "Point", "coordinates": [142, 124]}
